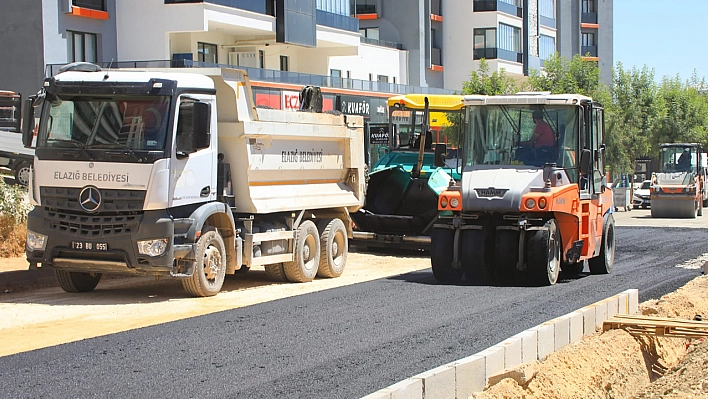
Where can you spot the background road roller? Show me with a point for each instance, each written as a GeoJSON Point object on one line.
{"type": "Point", "coordinates": [678, 189]}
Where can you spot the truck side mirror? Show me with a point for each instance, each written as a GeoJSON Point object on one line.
{"type": "Point", "coordinates": [585, 161]}
{"type": "Point", "coordinates": [27, 123]}
{"type": "Point", "coordinates": [440, 151]}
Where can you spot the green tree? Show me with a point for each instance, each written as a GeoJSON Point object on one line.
{"type": "Point", "coordinates": [686, 115]}
{"type": "Point", "coordinates": [482, 82]}
{"type": "Point", "coordinates": [561, 75]}
{"type": "Point", "coordinates": [633, 111]}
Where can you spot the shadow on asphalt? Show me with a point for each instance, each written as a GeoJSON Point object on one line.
{"type": "Point", "coordinates": [426, 277]}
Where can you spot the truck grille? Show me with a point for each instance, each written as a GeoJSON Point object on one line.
{"type": "Point", "coordinates": [111, 200]}
{"type": "Point", "coordinates": [120, 212]}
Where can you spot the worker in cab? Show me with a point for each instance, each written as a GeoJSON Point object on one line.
{"type": "Point", "coordinates": [539, 148]}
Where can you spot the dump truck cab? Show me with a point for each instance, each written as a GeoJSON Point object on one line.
{"type": "Point", "coordinates": [678, 188]}
{"type": "Point", "coordinates": [533, 197]}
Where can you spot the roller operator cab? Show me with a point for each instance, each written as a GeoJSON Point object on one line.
{"type": "Point", "coordinates": [533, 197]}
{"type": "Point", "coordinates": [177, 173]}
{"type": "Point", "coordinates": [678, 189]}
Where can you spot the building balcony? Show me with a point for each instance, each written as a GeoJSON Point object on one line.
{"type": "Point", "coordinates": [588, 18]}
{"type": "Point", "coordinates": [274, 76]}
{"type": "Point", "coordinates": [588, 51]}
{"type": "Point", "coordinates": [497, 53]}
{"type": "Point", "coordinates": [323, 18]}
{"type": "Point", "coordinates": [497, 5]}
{"type": "Point", "coordinates": [382, 43]}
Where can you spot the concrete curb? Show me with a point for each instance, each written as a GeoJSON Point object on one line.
{"type": "Point", "coordinates": [462, 378]}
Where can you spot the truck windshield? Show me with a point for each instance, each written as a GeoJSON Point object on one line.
{"type": "Point", "coordinates": [132, 123]}
{"type": "Point", "coordinates": [531, 135]}
{"type": "Point", "coordinates": [677, 159]}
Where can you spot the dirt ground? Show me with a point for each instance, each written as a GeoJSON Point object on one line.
{"type": "Point", "coordinates": [617, 365]}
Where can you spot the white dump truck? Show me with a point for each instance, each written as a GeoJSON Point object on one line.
{"type": "Point", "coordinates": [176, 172]}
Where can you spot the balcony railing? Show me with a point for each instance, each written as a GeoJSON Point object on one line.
{"type": "Point", "coordinates": [382, 43]}
{"type": "Point", "coordinates": [488, 53]}
{"type": "Point", "coordinates": [275, 76]}
{"type": "Point", "coordinates": [337, 21]}
{"type": "Point", "coordinates": [588, 18]}
{"type": "Point", "coordinates": [258, 6]}
{"type": "Point", "coordinates": [545, 21]}
{"type": "Point", "coordinates": [585, 50]}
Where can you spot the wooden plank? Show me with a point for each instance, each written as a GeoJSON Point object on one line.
{"type": "Point", "coordinates": [657, 326]}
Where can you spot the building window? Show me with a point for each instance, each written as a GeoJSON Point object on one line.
{"type": "Point", "coordinates": [382, 78]}
{"type": "Point", "coordinates": [588, 39]}
{"type": "Point", "coordinates": [588, 6]}
{"type": "Point", "coordinates": [284, 63]}
{"type": "Point", "coordinates": [82, 47]}
{"type": "Point", "coordinates": [516, 3]}
{"type": "Point", "coordinates": [485, 43]}
{"type": "Point", "coordinates": [92, 4]}
{"type": "Point", "coordinates": [546, 46]}
{"type": "Point", "coordinates": [207, 53]}
{"type": "Point", "coordinates": [363, 6]}
{"type": "Point", "coordinates": [510, 38]}
{"type": "Point", "coordinates": [547, 8]}
{"type": "Point", "coordinates": [340, 7]}
{"type": "Point", "coordinates": [394, 80]}
{"type": "Point", "coordinates": [261, 58]}
{"type": "Point", "coordinates": [371, 77]}
{"type": "Point", "coordinates": [371, 33]}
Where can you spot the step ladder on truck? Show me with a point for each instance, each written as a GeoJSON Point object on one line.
{"type": "Point", "coordinates": [526, 207]}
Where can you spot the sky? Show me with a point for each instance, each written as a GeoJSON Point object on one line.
{"type": "Point", "coordinates": [670, 36]}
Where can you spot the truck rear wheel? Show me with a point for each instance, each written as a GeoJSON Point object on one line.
{"type": "Point", "coordinates": [472, 257]}
{"type": "Point", "coordinates": [602, 264]}
{"type": "Point", "coordinates": [77, 281]}
{"type": "Point", "coordinates": [306, 257]}
{"type": "Point", "coordinates": [210, 270]}
{"type": "Point", "coordinates": [442, 242]}
{"type": "Point", "coordinates": [334, 247]}
{"type": "Point", "coordinates": [544, 254]}
{"type": "Point", "coordinates": [276, 273]}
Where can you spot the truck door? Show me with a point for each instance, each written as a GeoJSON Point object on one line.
{"type": "Point", "coordinates": [193, 174]}
{"type": "Point", "coordinates": [600, 202]}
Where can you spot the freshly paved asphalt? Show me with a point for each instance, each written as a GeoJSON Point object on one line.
{"type": "Point", "coordinates": [341, 343]}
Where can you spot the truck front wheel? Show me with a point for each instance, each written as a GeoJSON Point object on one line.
{"type": "Point", "coordinates": [210, 269]}
{"type": "Point", "coordinates": [306, 258]}
{"type": "Point", "coordinates": [77, 281]}
{"type": "Point", "coordinates": [22, 172]}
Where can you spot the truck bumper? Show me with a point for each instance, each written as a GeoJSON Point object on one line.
{"type": "Point", "coordinates": [105, 244]}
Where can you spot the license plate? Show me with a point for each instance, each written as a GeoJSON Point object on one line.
{"type": "Point", "coordinates": [89, 246]}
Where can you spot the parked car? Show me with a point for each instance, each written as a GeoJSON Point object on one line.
{"type": "Point", "coordinates": [641, 197]}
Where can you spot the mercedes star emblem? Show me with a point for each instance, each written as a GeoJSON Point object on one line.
{"type": "Point", "coordinates": [90, 199]}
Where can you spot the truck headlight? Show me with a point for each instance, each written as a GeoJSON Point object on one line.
{"type": "Point", "coordinates": [154, 247]}
{"type": "Point", "coordinates": [35, 241]}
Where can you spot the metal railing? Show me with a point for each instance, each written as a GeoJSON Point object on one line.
{"type": "Point", "coordinates": [274, 76]}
